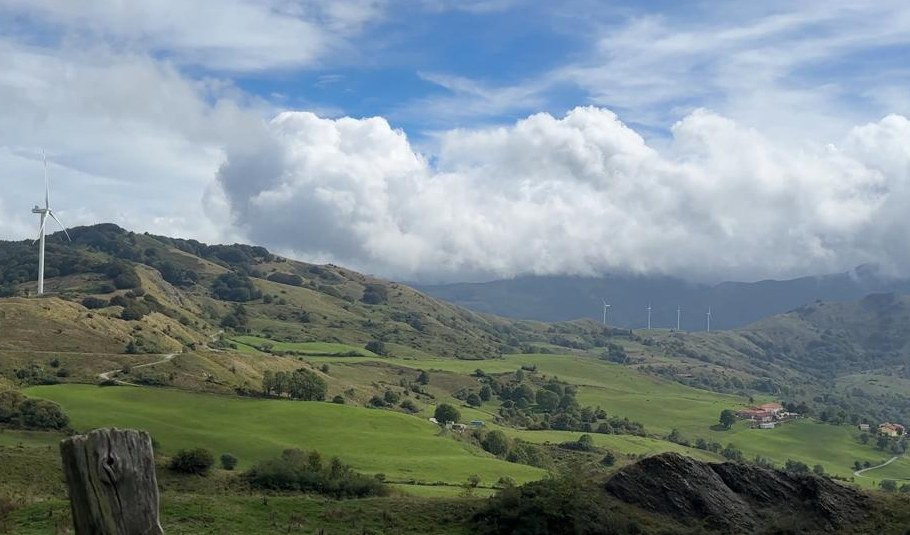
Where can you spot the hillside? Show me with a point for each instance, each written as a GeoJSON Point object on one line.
{"type": "Point", "coordinates": [733, 304]}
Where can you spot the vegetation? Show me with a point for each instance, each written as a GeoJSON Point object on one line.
{"type": "Point", "coordinates": [302, 471]}
{"type": "Point", "coordinates": [196, 461]}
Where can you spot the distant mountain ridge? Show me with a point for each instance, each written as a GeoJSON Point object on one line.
{"type": "Point", "coordinates": [733, 304]}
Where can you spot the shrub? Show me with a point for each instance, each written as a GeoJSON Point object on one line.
{"type": "Point", "coordinates": [339, 399]}
{"type": "Point", "coordinates": [196, 461]}
{"type": "Point", "coordinates": [496, 442]}
{"type": "Point", "coordinates": [391, 397]}
{"type": "Point", "coordinates": [93, 303]}
{"type": "Point", "coordinates": [409, 406]}
{"type": "Point", "coordinates": [446, 413]}
{"type": "Point", "coordinates": [609, 459]}
{"type": "Point", "coordinates": [301, 471]}
{"type": "Point", "coordinates": [286, 278]}
{"type": "Point", "coordinates": [376, 347]}
{"type": "Point", "coordinates": [228, 461]}
{"type": "Point", "coordinates": [473, 400]}
{"type": "Point", "coordinates": [42, 414]}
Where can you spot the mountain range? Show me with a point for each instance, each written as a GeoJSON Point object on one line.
{"type": "Point", "coordinates": [733, 304]}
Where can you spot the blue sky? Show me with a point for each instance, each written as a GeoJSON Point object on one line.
{"type": "Point", "coordinates": [508, 136]}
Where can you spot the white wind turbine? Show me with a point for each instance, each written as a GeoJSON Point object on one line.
{"type": "Point", "coordinates": [606, 307]}
{"type": "Point", "coordinates": [649, 316]}
{"type": "Point", "coordinates": [708, 317]}
{"type": "Point", "coordinates": [44, 213]}
{"type": "Point", "coordinates": [678, 314]}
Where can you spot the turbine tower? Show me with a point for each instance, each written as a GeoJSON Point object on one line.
{"type": "Point", "coordinates": [44, 213]}
{"type": "Point", "coordinates": [649, 316]}
{"type": "Point", "coordinates": [678, 314]}
{"type": "Point", "coordinates": [708, 317]}
{"type": "Point", "coordinates": [606, 306]}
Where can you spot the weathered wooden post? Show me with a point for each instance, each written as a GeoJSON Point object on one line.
{"type": "Point", "coordinates": [110, 476]}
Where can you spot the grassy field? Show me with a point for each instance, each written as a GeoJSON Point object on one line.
{"type": "Point", "coordinates": [834, 447]}
{"type": "Point", "coordinates": [185, 514]}
{"type": "Point", "coordinates": [374, 441]}
{"type": "Point", "coordinates": [628, 445]}
{"type": "Point", "coordinates": [316, 348]}
{"type": "Point", "coordinates": [899, 470]}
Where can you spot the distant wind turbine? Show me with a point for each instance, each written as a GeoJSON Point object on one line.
{"type": "Point", "coordinates": [45, 212]}
{"type": "Point", "coordinates": [606, 307]}
{"type": "Point", "coordinates": [678, 314]}
{"type": "Point", "coordinates": [708, 317]}
{"type": "Point", "coordinates": [649, 316]}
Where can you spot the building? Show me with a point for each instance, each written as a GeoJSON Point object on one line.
{"type": "Point", "coordinates": [459, 427]}
{"type": "Point", "coordinates": [766, 425]}
{"type": "Point", "coordinates": [890, 430]}
{"type": "Point", "coordinates": [864, 427]}
{"type": "Point", "coordinates": [774, 408]}
{"type": "Point", "coordinates": [476, 423]}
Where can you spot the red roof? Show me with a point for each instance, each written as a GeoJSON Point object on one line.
{"type": "Point", "coordinates": [771, 406]}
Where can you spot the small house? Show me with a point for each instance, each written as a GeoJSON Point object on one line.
{"type": "Point", "coordinates": [864, 427]}
{"type": "Point", "coordinates": [890, 430]}
{"type": "Point", "coordinates": [459, 427]}
{"type": "Point", "coordinates": [766, 425]}
{"type": "Point", "coordinates": [477, 423]}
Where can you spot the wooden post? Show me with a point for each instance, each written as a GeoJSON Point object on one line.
{"type": "Point", "coordinates": [110, 476]}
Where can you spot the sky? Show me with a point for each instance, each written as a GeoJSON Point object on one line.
{"type": "Point", "coordinates": [452, 140]}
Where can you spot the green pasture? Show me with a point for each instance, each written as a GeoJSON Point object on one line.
{"type": "Point", "coordinates": [899, 470]}
{"type": "Point", "coordinates": [373, 441]}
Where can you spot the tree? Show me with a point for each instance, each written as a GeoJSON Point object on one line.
{"type": "Point", "coordinates": [446, 413]}
{"type": "Point", "coordinates": [547, 400]}
{"type": "Point", "coordinates": [818, 470]}
{"type": "Point", "coordinates": [268, 382]}
{"type": "Point", "coordinates": [857, 466]}
{"type": "Point", "coordinates": [727, 418]}
{"type": "Point", "coordinates": [864, 438]}
{"type": "Point", "coordinates": [882, 443]}
{"type": "Point", "coordinates": [307, 386]}
{"type": "Point", "coordinates": [391, 397]}
{"type": "Point", "coordinates": [473, 400]}
{"type": "Point", "coordinates": [486, 393]}
{"type": "Point", "coordinates": [228, 461]}
{"type": "Point", "coordinates": [474, 480]}
{"type": "Point", "coordinates": [796, 467]}
{"type": "Point", "coordinates": [520, 375]}
{"type": "Point", "coordinates": [496, 442]}
{"type": "Point", "coordinates": [196, 461]}
{"type": "Point", "coordinates": [423, 378]}
{"type": "Point", "coordinates": [377, 347]}
{"type": "Point", "coordinates": [585, 443]}
{"type": "Point", "coordinates": [888, 485]}
{"type": "Point", "coordinates": [339, 399]}
{"type": "Point", "coordinates": [609, 459]}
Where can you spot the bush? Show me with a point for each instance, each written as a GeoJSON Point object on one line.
{"type": "Point", "coordinates": [409, 406]}
{"type": "Point", "coordinates": [286, 278]}
{"type": "Point", "coordinates": [446, 413]}
{"type": "Point", "coordinates": [376, 347]}
{"type": "Point", "coordinates": [339, 399]}
{"type": "Point", "coordinates": [228, 461]}
{"type": "Point", "coordinates": [496, 442]}
{"type": "Point", "coordinates": [42, 414]}
{"type": "Point", "coordinates": [296, 470]}
{"type": "Point", "coordinates": [93, 303]}
{"type": "Point", "coordinates": [196, 461]}
{"type": "Point", "coordinates": [609, 459]}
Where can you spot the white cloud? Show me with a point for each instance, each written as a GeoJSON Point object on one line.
{"type": "Point", "coordinates": [580, 194]}
{"type": "Point", "coordinates": [130, 140]}
{"type": "Point", "coordinates": [233, 35]}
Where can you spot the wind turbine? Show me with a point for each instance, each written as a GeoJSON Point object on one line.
{"type": "Point", "coordinates": [649, 315]}
{"type": "Point", "coordinates": [606, 307]}
{"type": "Point", "coordinates": [708, 316]}
{"type": "Point", "coordinates": [44, 213]}
{"type": "Point", "coordinates": [678, 314]}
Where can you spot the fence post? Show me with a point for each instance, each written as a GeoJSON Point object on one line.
{"type": "Point", "coordinates": [110, 476]}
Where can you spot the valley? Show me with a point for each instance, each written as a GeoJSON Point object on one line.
{"type": "Point", "coordinates": [188, 342]}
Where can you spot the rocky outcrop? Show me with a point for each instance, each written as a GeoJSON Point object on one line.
{"type": "Point", "coordinates": [733, 497]}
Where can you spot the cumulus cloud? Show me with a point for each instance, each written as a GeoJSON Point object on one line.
{"type": "Point", "coordinates": [581, 194]}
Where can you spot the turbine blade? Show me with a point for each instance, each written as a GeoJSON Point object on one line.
{"type": "Point", "coordinates": [47, 201]}
{"type": "Point", "coordinates": [40, 231]}
{"type": "Point", "coordinates": [61, 225]}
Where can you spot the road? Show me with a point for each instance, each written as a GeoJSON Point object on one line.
{"type": "Point", "coordinates": [106, 376]}
{"type": "Point", "coordinates": [859, 473]}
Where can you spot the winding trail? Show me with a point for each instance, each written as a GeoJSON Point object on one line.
{"type": "Point", "coordinates": [859, 473]}
{"type": "Point", "coordinates": [106, 376]}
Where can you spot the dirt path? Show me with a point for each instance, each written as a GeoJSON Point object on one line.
{"type": "Point", "coordinates": [859, 473]}
{"type": "Point", "coordinates": [106, 376]}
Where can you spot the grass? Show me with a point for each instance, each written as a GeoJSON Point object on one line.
{"type": "Point", "coordinates": [373, 441]}
{"type": "Point", "coordinates": [315, 348]}
{"type": "Point", "coordinates": [899, 471]}
{"type": "Point", "coordinates": [832, 446]}
{"type": "Point", "coordinates": [628, 445]}
{"type": "Point", "coordinates": [184, 514]}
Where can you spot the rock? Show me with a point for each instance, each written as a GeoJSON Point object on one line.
{"type": "Point", "coordinates": [735, 497]}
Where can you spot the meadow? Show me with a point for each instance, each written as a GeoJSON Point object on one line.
{"type": "Point", "coordinates": [402, 447]}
